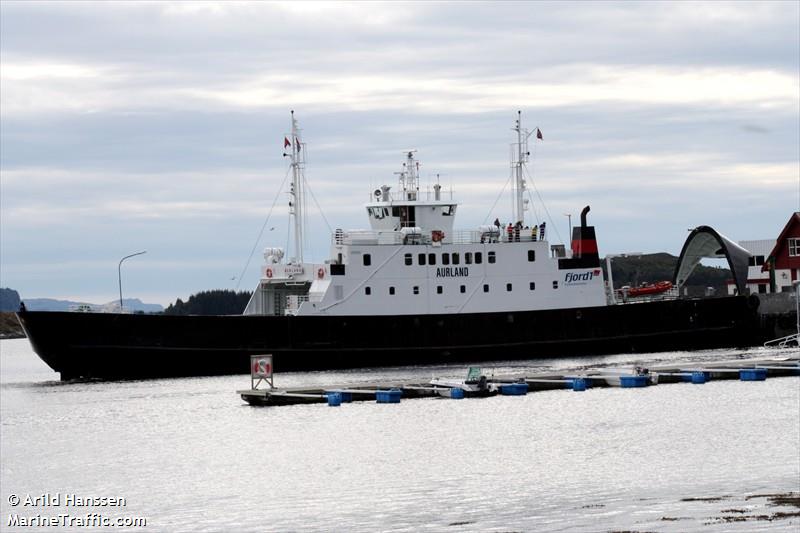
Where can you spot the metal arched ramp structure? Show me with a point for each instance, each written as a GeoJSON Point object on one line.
{"type": "Point", "coordinates": [705, 241]}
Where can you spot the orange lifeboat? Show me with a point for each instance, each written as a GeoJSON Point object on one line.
{"type": "Point", "coordinates": [653, 288]}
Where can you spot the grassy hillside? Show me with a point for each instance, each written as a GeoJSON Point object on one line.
{"type": "Point", "coordinates": [650, 268]}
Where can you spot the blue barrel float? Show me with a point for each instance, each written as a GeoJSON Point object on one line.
{"type": "Point", "coordinates": [627, 382]}
{"type": "Point", "coordinates": [457, 393]}
{"type": "Point", "coordinates": [578, 384]}
{"type": "Point", "coordinates": [514, 389]}
{"type": "Point", "coordinates": [388, 396]}
{"type": "Point", "coordinates": [698, 377]}
{"type": "Point", "coordinates": [753, 374]}
{"type": "Point", "coordinates": [347, 397]}
{"type": "Point", "coordinates": [334, 399]}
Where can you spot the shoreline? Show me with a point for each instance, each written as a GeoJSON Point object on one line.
{"type": "Point", "coordinates": [10, 328]}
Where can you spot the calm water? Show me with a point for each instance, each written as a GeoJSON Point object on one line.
{"type": "Point", "coordinates": [189, 455]}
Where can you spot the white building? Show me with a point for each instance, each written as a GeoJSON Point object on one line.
{"type": "Point", "coordinates": [757, 281]}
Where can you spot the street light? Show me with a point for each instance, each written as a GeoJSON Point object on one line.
{"type": "Point", "coordinates": [119, 273]}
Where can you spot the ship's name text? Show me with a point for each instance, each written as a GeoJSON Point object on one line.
{"type": "Point", "coordinates": [452, 272]}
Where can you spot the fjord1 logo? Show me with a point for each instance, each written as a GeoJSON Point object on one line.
{"type": "Point", "coordinates": [581, 278]}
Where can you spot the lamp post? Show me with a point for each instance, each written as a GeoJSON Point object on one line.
{"type": "Point", "coordinates": [119, 273]}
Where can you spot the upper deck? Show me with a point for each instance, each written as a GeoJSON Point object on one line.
{"type": "Point", "coordinates": [415, 235]}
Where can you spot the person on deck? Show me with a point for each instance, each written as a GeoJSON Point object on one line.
{"type": "Point", "coordinates": [510, 231]}
{"type": "Point", "coordinates": [541, 231]}
{"type": "Point", "coordinates": [534, 232]}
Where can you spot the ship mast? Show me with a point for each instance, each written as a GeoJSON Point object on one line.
{"type": "Point", "coordinates": [296, 193]}
{"type": "Point", "coordinates": [519, 157]}
{"type": "Point", "coordinates": [409, 177]}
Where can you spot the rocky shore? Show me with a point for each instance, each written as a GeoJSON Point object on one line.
{"type": "Point", "coordinates": [10, 327]}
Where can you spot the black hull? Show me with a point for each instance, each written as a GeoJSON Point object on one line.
{"type": "Point", "coordinates": [118, 346]}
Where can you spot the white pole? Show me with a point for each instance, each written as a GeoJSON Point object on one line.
{"type": "Point", "coordinates": [297, 184]}
{"type": "Point", "coordinates": [610, 280]}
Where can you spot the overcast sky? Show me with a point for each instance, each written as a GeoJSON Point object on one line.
{"type": "Point", "coordinates": [159, 126]}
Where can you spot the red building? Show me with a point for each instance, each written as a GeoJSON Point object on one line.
{"type": "Point", "coordinates": [784, 260]}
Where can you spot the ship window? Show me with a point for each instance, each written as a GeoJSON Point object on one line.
{"type": "Point", "coordinates": [408, 259]}
{"type": "Point", "coordinates": [532, 285]}
{"type": "Point", "coordinates": [555, 284]}
{"type": "Point", "coordinates": [531, 255]}
{"type": "Point", "coordinates": [416, 289]}
{"type": "Point", "coordinates": [485, 288]}
{"type": "Point", "coordinates": [431, 259]}
{"type": "Point", "coordinates": [439, 289]}
{"type": "Point", "coordinates": [445, 259]}
{"type": "Point", "coordinates": [395, 211]}
{"type": "Point", "coordinates": [508, 287]}
{"type": "Point", "coordinates": [463, 289]}
{"type": "Point", "coordinates": [391, 291]}
{"type": "Point", "coordinates": [367, 259]}
{"type": "Point", "coordinates": [490, 257]}
{"type": "Point", "coordinates": [449, 210]}
{"type": "Point", "coordinates": [455, 259]}
{"type": "Point", "coordinates": [367, 290]}
{"type": "Point", "coordinates": [421, 259]}
{"type": "Point", "coordinates": [478, 258]}
{"type": "Point", "coordinates": [468, 258]}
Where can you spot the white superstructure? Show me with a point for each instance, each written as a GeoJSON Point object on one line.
{"type": "Point", "coordinates": [413, 261]}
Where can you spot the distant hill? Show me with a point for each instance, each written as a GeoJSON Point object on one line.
{"type": "Point", "coordinates": [9, 300]}
{"type": "Point", "coordinates": [50, 304]}
{"type": "Point", "coordinates": [215, 302]}
{"type": "Point", "coordinates": [650, 268]}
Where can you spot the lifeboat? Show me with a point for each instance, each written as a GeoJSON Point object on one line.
{"type": "Point", "coordinates": [653, 288]}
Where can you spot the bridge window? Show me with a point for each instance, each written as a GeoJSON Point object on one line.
{"type": "Point", "coordinates": [478, 258]}
{"type": "Point", "coordinates": [367, 259]}
{"type": "Point", "coordinates": [508, 287]}
{"type": "Point", "coordinates": [531, 255]}
{"type": "Point", "coordinates": [408, 259]}
{"type": "Point", "coordinates": [391, 291]}
{"type": "Point", "coordinates": [463, 289]}
{"type": "Point", "coordinates": [532, 285]}
{"type": "Point", "coordinates": [416, 289]}
{"type": "Point", "coordinates": [468, 258]}
{"type": "Point", "coordinates": [431, 259]}
{"type": "Point", "coordinates": [555, 284]}
{"type": "Point", "coordinates": [439, 289]}
{"type": "Point", "coordinates": [367, 290]}
{"type": "Point", "coordinates": [455, 259]}
{"type": "Point", "coordinates": [449, 210]}
{"type": "Point", "coordinates": [485, 288]}
{"type": "Point", "coordinates": [491, 257]}
{"type": "Point", "coordinates": [421, 258]}
{"type": "Point", "coordinates": [445, 259]}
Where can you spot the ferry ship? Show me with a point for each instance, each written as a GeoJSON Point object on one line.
{"type": "Point", "coordinates": [410, 290]}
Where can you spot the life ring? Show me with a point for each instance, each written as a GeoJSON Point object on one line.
{"type": "Point", "coordinates": [321, 273]}
{"type": "Point", "coordinates": [269, 272]}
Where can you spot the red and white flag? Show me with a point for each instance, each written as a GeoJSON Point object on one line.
{"type": "Point", "coordinates": [286, 142]}
{"type": "Point", "coordinates": [539, 134]}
